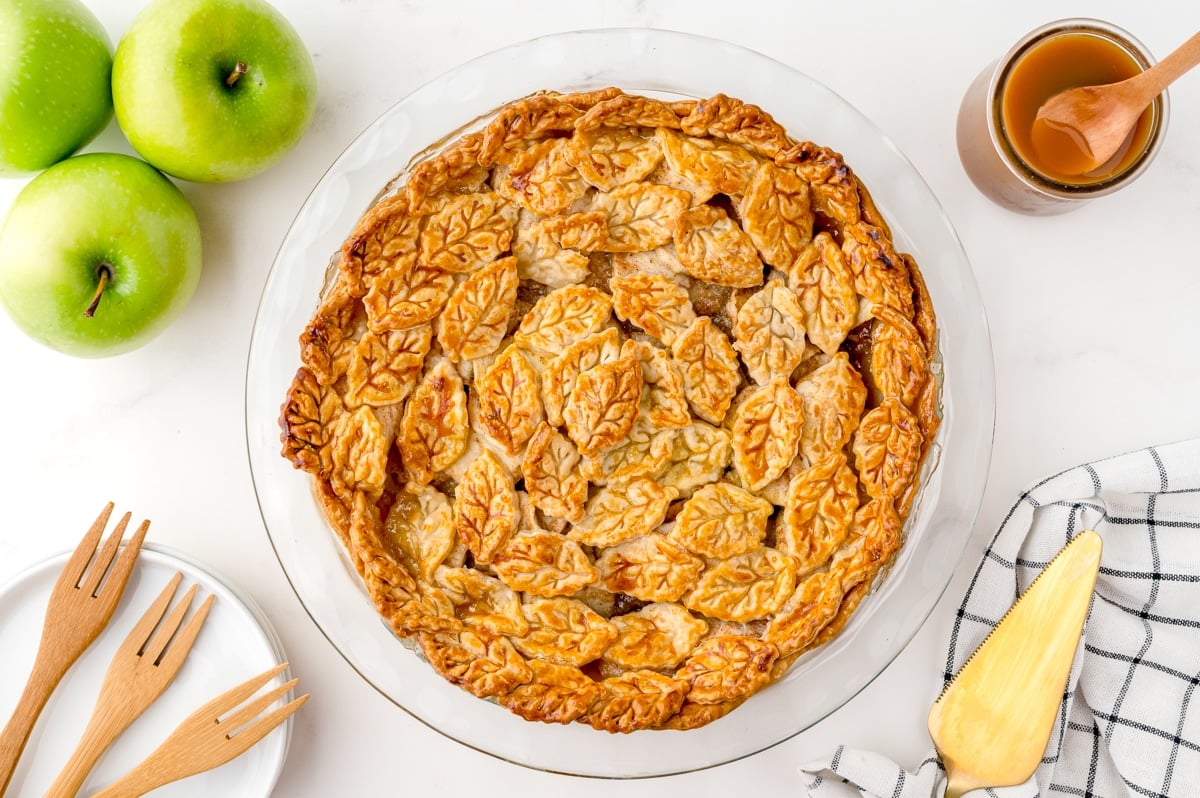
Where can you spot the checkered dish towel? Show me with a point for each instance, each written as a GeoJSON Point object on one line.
{"type": "Point", "coordinates": [1130, 722]}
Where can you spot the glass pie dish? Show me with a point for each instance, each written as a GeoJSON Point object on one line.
{"type": "Point", "coordinates": [670, 66]}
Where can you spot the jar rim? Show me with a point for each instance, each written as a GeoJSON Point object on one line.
{"type": "Point", "coordinates": [1022, 170]}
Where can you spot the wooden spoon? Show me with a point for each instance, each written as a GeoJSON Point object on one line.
{"type": "Point", "coordinates": [1098, 118]}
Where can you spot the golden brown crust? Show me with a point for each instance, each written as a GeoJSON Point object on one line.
{"type": "Point", "coordinates": [408, 606]}
{"type": "Point", "coordinates": [433, 429]}
{"type": "Point", "coordinates": [604, 405]}
{"type": "Point", "coordinates": [712, 248]}
{"type": "Point", "coordinates": [544, 564]}
{"type": "Point", "coordinates": [928, 408]}
{"type": "Point", "coordinates": [327, 341]}
{"type": "Point", "coordinates": [626, 111]}
{"type": "Point", "coordinates": [485, 507]}
{"type": "Point", "coordinates": [457, 169]}
{"type": "Point", "coordinates": [532, 119]}
{"type": "Point", "coordinates": [834, 187]}
{"type": "Point", "coordinates": [542, 180]}
{"type": "Point", "coordinates": [824, 286]}
{"type": "Point", "coordinates": [649, 567]}
{"type": "Point", "coordinates": [387, 231]}
{"type": "Point", "coordinates": [899, 365]}
{"type": "Point", "coordinates": [551, 472]}
{"type": "Point", "coordinates": [821, 502]}
{"type": "Point", "coordinates": [610, 157]}
{"type": "Point", "coordinates": [727, 667]}
{"type": "Point", "coordinates": [563, 317]}
{"type": "Point", "coordinates": [748, 587]}
{"type": "Point", "coordinates": [639, 216]}
{"type": "Point", "coordinates": [384, 367]}
{"type": "Point", "coordinates": [923, 318]}
{"type": "Point", "coordinates": [616, 513]}
{"type": "Point", "coordinates": [706, 166]}
{"type": "Point", "coordinates": [484, 663]}
{"type": "Point", "coordinates": [776, 212]}
{"type": "Point", "coordinates": [710, 369]}
{"type": "Point", "coordinates": [635, 700]}
{"type": "Point", "coordinates": [658, 637]}
{"type": "Point", "coordinates": [880, 276]}
{"type": "Point", "coordinates": [563, 630]}
{"type": "Point", "coordinates": [849, 604]}
{"type": "Point", "coordinates": [557, 694]}
{"type": "Point", "coordinates": [567, 371]}
{"type": "Point", "coordinates": [510, 401]}
{"type": "Point", "coordinates": [692, 715]}
{"type": "Point", "coordinates": [736, 121]}
{"type": "Point", "coordinates": [562, 371]}
{"type": "Point", "coordinates": [887, 448]}
{"type": "Point", "coordinates": [766, 431]}
{"type": "Point", "coordinates": [868, 210]}
{"type": "Point", "coordinates": [806, 612]}
{"type": "Point", "coordinates": [355, 456]}
{"type": "Point", "coordinates": [306, 419]}
{"type": "Point", "coordinates": [467, 232]}
{"type": "Point", "coordinates": [722, 520]}
{"type": "Point", "coordinates": [406, 294]}
{"type": "Point", "coordinates": [654, 303]}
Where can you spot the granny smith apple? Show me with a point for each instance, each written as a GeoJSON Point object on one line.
{"type": "Point", "coordinates": [213, 90]}
{"type": "Point", "coordinates": [98, 254]}
{"type": "Point", "coordinates": [55, 89]}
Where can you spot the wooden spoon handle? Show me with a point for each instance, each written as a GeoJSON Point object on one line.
{"type": "Point", "coordinates": [1151, 83]}
{"type": "Point", "coordinates": [48, 669]}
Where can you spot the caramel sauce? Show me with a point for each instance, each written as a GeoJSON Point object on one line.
{"type": "Point", "coordinates": [398, 525]}
{"type": "Point", "coordinates": [1066, 61]}
{"type": "Point", "coordinates": [824, 224]}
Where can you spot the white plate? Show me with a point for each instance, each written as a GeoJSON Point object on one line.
{"type": "Point", "coordinates": [235, 643]}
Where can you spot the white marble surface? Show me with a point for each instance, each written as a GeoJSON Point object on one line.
{"type": "Point", "coordinates": [1092, 315]}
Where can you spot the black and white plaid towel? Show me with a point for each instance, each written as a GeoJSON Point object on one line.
{"type": "Point", "coordinates": [1130, 722]}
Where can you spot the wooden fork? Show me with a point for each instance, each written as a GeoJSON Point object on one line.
{"type": "Point", "coordinates": [81, 603]}
{"type": "Point", "coordinates": [206, 740]}
{"type": "Point", "coordinates": [143, 667]}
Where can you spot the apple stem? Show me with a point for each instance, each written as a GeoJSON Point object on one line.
{"type": "Point", "coordinates": [104, 272]}
{"type": "Point", "coordinates": [238, 70]}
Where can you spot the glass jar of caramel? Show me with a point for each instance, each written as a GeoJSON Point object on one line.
{"type": "Point", "coordinates": [996, 140]}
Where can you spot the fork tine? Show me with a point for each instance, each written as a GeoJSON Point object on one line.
{"type": "Point", "coordinates": [73, 571]}
{"type": "Point", "coordinates": [90, 583]}
{"type": "Point", "coordinates": [182, 644]}
{"type": "Point", "coordinates": [236, 695]}
{"type": "Point", "coordinates": [241, 741]}
{"type": "Point", "coordinates": [243, 715]}
{"type": "Point", "coordinates": [124, 565]}
{"type": "Point", "coordinates": [145, 626]}
{"type": "Point", "coordinates": [152, 648]}
{"type": "Point", "coordinates": [200, 742]}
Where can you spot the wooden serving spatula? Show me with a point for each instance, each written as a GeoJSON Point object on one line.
{"type": "Point", "coordinates": [992, 722]}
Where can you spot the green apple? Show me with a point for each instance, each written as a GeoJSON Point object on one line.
{"type": "Point", "coordinates": [55, 90]}
{"type": "Point", "coordinates": [98, 254]}
{"type": "Point", "coordinates": [213, 90]}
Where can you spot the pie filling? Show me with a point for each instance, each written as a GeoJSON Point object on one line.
{"type": "Point", "coordinates": [619, 405]}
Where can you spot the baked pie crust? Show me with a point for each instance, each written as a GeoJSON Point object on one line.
{"type": "Point", "coordinates": [618, 405]}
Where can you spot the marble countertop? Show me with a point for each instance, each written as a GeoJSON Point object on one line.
{"type": "Point", "coordinates": [1093, 321]}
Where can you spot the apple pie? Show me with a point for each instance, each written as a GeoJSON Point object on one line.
{"type": "Point", "coordinates": [618, 405]}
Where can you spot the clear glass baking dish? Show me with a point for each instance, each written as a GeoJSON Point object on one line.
{"type": "Point", "coordinates": [669, 65]}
